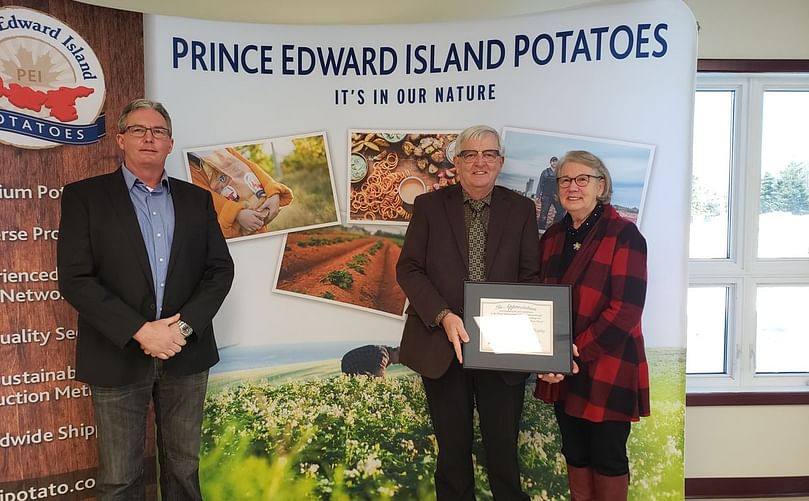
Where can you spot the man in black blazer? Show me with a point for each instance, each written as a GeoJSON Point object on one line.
{"type": "Point", "coordinates": [142, 259]}
{"type": "Point", "coordinates": [440, 252]}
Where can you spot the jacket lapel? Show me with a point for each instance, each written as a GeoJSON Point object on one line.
{"type": "Point", "coordinates": [589, 247]}
{"type": "Point", "coordinates": [498, 215]}
{"type": "Point", "coordinates": [556, 241]}
{"type": "Point", "coordinates": [180, 217]}
{"type": "Point", "coordinates": [128, 221]}
{"type": "Point", "coordinates": [453, 205]}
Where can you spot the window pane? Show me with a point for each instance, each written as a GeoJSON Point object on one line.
{"type": "Point", "coordinates": [710, 182]}
{"type": "Point", "coordinates": [707, 330]}
{"type": "Point", "coordinates": [782, 333]}
{"type": "Point", "coordinates": [784, 208]}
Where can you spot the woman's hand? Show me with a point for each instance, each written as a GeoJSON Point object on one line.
{"type": "Point", "coordinates": [553, 378]}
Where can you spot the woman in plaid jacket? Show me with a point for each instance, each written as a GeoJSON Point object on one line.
{"type": "Point", "coordinates": [603, 257]}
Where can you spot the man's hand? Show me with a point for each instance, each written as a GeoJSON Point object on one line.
{"type": "Point", "coordinates": [556, 378]}
{"type": "Point", "coordinates": [272, 206]}
{"type": "Point", "coordinates": [161, 338]}
{"type": "Point", "coordinates": [250, 220]}
{"type": "Point", "coordinates": [456, 334]}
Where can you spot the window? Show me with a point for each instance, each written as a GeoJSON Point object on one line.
{"type": "Point", "coordinates": [748, 296]}
{"type": "Point", "coordinates": [707, 329]}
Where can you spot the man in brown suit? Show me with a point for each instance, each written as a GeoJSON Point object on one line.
{"type": "Point", "coordinates": [471, 231]}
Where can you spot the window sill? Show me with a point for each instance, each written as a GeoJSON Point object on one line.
{"type": "Point", "coordinates": [747, 398]}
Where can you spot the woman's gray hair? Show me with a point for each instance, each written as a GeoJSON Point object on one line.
{"type": "Point", "coordinates": [476, 132]}
{"type": "Point", "coordinates": [141, 104]}
{"type": "Point", "coordinates": [595, 163]}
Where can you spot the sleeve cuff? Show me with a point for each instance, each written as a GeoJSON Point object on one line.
{"type": "Point", "coordinates": [441, 314]}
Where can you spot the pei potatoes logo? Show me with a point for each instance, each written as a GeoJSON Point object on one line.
{"type": "Point", "coordinates": [51, 83]}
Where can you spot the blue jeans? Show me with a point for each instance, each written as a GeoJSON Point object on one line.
{"type": "Point", "coordinates": [121, 413]}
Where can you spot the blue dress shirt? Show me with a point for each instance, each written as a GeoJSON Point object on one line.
{"type": "Point", "coordinates": [155, 212]}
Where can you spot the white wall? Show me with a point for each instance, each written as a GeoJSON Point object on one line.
{"type": "Point", "coordinates": [749, 441]}
{"type": "Point", "coordinates": [752, 29]}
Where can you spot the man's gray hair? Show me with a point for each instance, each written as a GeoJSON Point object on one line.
{"type": "Point", "coordinates": [476, 132]}
{"type": "Point", "coordinates": [142, 104]}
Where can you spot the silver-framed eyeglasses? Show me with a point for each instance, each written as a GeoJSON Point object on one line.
{"type": "Point", "coordinates": [140, 131]}
{"type": "Point", "coordinates": [581, 180]}
{"type": "Point", "coordinates": [489, 156]}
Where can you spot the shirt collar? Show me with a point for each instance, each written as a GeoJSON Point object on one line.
{"type": "Point", "coordinates": [486, 200]}
{"type": "Point", "coordinates": [130, 179]}
{"type": "Point", "coordinates": [588, 223]}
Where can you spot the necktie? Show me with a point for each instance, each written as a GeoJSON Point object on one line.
{"type": "Point", "coordinates": [477, 241]}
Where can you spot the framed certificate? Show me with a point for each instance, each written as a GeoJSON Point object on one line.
{"type": "Point", "coordinates": [520, 327]}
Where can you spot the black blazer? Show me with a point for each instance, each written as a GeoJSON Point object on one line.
{"type": "Point", "coordinates": [104, 273]}
{"type": "Point", "coordinates": [434, 264]}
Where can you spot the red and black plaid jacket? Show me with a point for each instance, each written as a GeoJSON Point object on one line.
{"type": "Point", "coordinates": [608, 276]}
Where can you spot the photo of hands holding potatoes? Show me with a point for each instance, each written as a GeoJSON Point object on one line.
{"type": "Point", "coordinates": [258, 189]}
{"type": "Point", "coordinates": [388, 170]}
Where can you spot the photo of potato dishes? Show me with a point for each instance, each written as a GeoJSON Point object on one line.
{"type": "Point", "coordinates": [388, 170]}
{"type": "Point", "coordinates": [351, 266]}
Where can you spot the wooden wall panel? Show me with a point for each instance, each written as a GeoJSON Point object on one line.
{"type": "Point", "coordinates": [116, 37]}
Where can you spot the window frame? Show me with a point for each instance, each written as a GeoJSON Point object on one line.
{"type": "Point", "coordinates": [742, 271]}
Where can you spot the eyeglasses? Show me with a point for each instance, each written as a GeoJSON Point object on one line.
{"type": "Point", "coordinates": [140, 131]}
{"type": "Point", "coordinates": [582, 180]}
{"type": "Point", "coordinates": [469, 156]}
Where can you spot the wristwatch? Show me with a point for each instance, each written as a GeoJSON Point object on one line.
{"type": "Point", "coordinates": [185, 329]}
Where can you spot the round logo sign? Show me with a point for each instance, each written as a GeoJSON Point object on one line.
{"type": "Point", "coordinates": [51, 83]}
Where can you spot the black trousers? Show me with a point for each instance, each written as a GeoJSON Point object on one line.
{"type": "Point", "coordinates": [452, 399]}
{"type": "Point", "coordinates": [600, 446]}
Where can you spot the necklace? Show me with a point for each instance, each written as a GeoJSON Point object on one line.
{"type": "Point", "coordinates": [579, 234]}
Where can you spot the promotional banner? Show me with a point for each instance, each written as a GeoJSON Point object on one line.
{"type": "Point", "coordinates": [64, 73]}
{"type": "Point", "coordinates": [309, 399]}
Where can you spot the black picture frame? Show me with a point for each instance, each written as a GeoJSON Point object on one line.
{"type": "Point", "coordinates": [559, 362]}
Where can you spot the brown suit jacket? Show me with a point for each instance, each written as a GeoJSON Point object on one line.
{"type": "Point", "coordinates": [434, 261]}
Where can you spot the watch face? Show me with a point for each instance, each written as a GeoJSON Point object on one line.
{"type": "Point", "coordinates": [185, 329]}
